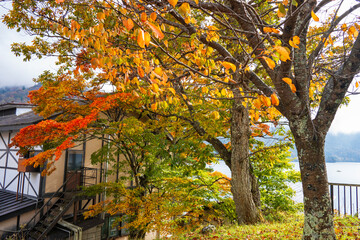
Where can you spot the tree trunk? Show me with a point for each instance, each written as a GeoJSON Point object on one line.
{"type": "Point", "coordinates": [318, 222]}
{"type": "Point", "coordinates": [243, 185]}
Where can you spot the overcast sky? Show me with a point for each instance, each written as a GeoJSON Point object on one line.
{"type": "Point", "coordinates": [15, 72]}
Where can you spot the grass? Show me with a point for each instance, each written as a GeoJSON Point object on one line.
{"type": "Point", "coordinates": [290, 228]}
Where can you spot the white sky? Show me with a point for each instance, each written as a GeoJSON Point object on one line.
{"type": "Point", "coordinates": [15, 72]}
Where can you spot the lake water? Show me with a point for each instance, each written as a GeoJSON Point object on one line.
{"type": "Point", "coordinates": [340, 172]}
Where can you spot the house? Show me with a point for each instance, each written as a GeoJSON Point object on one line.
{"type": "Point", "coordinates": [48, 207]}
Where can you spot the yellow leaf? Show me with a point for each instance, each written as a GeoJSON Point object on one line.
{"type": "Point", "coordinates": [185, 8]}
{"type": "Point", "coordinates": [228, 65]}
{"type": "Point", "coordinates": [352, 31]}
{"type": "Point", "coordinates": [316, 19]}
{"type": "Point", "coordinates": [215, 115]}
{"type": "Point", "coordinates": [287, 80]}
{"type": "Point", "coordinates": [158, 71]}
{"type": "Point", "coordinates": [269, 62]}
{"type": "Point", "coordinates": [166, 43]}
{"type": "Point", "coordinates": [294, 42]}
{"type": "Point", "coordinates": [147, 38]}
{"type": "Point", "coordinates": [173, 2]}
{"type": "Point", "coordinates": [141, 38]}
{"type": "Point", "coordinates": [204, 90]}
{"type": "Point", "coordinates": [172, 91]}
{"type": "Point", "coordinates": [274, 99]}
{"type": "Point", "coordinates": [157, 31]}
{"type": "Point", "coordinates": [155, 88]}
{"type": "Point", "coordinates": [344, 27]}
{"type": "Point", "coordinates": [196, 1]}
{"type": "Point", "coordinates": [224, 92]}
{"type": "Point", "coordinates": [284, 54]}
{"type": "Point", "coordinates": [330, 40]}
{"type": "Point", "coordinates": [164, 104]}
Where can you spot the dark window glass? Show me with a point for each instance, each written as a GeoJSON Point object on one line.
{"type": "Point", "coordinates": [74, 161]}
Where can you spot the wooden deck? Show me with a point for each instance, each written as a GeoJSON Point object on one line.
{"type": "Point", "coordinates": [10, 207]}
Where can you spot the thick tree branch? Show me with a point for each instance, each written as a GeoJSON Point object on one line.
{"type": "Point", "coordinates": [336, 89]}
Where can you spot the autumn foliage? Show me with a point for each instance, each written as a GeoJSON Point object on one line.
{"type": "Point", "coordinates": [195, 70]}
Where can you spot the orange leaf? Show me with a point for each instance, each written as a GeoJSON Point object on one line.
{"type": "Point", "coordinates": [143, 17]}
{"type": "Point", "coordinates": [157, 31]}
{"type": "Point", "coordinates": [284, 54]}
{"type": "Point", "coordinates": [141, 38]}
{"type": "Point", "coordinates": [293, 88]}
{"type": "Point", "coordinates": [274, 99]}
{"type": "Point", "coordinates": [265, 100]}
{"type": "Point", "coordinates": [257, 103]}
{"type": "Point", "coordinates": [153, 16]}
{"type": "Point", "coordinates": [270, 30]}
{"type": "Point", "coordinates": [316, 19]}
{"type": "Point", "coordinates": [228, 65]}
{"type": "Point", "coordinates": [59, 1]}
{"type": "Point", "coordinates": [128, 23]}
{"type": "Point", "coordinates": [269, 62]}
{"type": "Point", "coordinates": [141, 72]}
{"type": "Point", "coordinates": [287, 80]}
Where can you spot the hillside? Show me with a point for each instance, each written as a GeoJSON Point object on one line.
{"type": "Point", "coordinates": [16, 94]}
{"type": "Point", "coordinates": [342, 148]}
{"type": "Point", "coordinates": [339, 148]}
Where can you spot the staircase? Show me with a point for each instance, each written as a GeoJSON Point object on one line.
{"type": "Point", "coordinates": [48, 221]}
{"type": "Point", "coordinates": [55, 208]}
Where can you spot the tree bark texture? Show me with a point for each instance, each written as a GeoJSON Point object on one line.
{"type": "Point", "coordinates": [318, 222]}
{"type": "Point", "coordinates": [245, 193]}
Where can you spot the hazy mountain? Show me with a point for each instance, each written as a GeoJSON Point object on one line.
{"type": "Point", "coordinates": [16, 94]}
{"type": "Point", "coordinates": [340, 148]}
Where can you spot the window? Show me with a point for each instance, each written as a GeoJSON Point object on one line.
{"type": "Point", "coordinates": [75, 159]}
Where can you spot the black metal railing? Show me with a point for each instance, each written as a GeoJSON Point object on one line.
{"type": "Point", "coordinates": [345, 198]}
{"type": "Point", "coordinates": [89, 177]}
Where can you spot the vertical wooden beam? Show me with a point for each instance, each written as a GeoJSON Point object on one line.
{"type": "Point", "coordinates": [23, 183]}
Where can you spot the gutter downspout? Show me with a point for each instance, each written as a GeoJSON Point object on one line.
{"type": "Point", "coordinates": [76, 229]}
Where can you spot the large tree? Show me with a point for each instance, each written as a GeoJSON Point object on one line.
{"type": "Point", "coordinates": [207, 60]}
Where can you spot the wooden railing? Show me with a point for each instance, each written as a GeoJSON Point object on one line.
{"type": "Point", "coordinates": [345, 198]}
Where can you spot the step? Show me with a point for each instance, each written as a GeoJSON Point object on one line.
{"type": "Point", "coordinates": [34, 235]}
{"type": "Point", "coordinates": [39, 228]}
